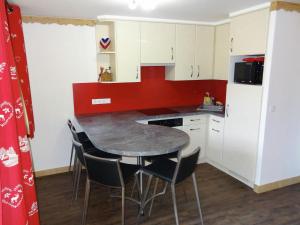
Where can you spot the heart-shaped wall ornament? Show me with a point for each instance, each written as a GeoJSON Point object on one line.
{"type": "Point", "coordinates": [105, 42]}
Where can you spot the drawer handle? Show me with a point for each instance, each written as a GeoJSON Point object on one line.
{"type": "Point", "coordinates": [217, 121]}
{"type": "Point", "coordinates": [215, 130]}
{"type": "Point", "coordinates": [193, 120]}
{"type": "Point", "coordinates": [192, 129]}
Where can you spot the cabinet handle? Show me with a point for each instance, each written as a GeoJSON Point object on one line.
{"type": "Point", "coordinates": [231, 44]}
{"type": "Point", "coordinates": [137, 72]}
{"type": "Point", "coordinates": [215, 130]}
{"type": "Point", "coordinates": [192, 129]}
{"type": "Point", "coordinates": [172, 53]}
{"type": "Point", "coordinates": [192, 67]}
{"type": "Point", "coordinates": [217, 121]}
{"type": "Point", "coordinates": [193, 120]}
{"type": "Point", "coordinates": [198, 71]}
{"type": "Point", "coordinates": [227, 110]}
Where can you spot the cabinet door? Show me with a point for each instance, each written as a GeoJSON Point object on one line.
{"type": "Point", "coordinates": [157, 43]}
{"type": "Point", "coordinates": [197, 135]}
{"type": "Point", "coordinates": [204, 56]}
{"type": "Point", "coordinates": [242, 119]}
{"type": "Point", "coordinates": [215, 139]}
{"type": "Point", "coordinates": [221, 65]}
{"type": "Point", "coordinates": [127, 51]}
{"type": "Point", "coordinates": [185, 52]}
{"type": "Point", "coordinates": [248, 33]}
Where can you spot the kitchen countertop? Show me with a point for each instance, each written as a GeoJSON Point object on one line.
{"type": "Point", "coordinates": [119, 133]}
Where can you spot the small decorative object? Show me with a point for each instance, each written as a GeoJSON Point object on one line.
{"type": "Point", "coordinates": [100, 74]}
{"type": "Point", "coordinates": [106, 75]}
{"type": "Point", "coordinates": [105, 42]}
{"type": "Point", "coordinates": [207, 99]}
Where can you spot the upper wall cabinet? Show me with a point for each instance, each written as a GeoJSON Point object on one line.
{"type": "Point", "coordinates": [194, 53]}
{"type": "Point", "coordinates": [123, 54]}
{"type": "Point", "coordinates": [157, 43]}
{"type": "Point", "coordinates": [221, 65]}
{"type": "Point", "coordinates": [204, 57]}
{"type": "Point", "coordinates": [248, 33]}
{"type": "Point", "coordinates": [184, 68]}
{"type": "Point", "coordinates": [127, 51]}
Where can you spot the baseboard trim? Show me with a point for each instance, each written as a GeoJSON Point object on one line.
{"type": "Point", "coordinates": [43, 173]}
{"type": "Point", "coordinates": [276, 185]}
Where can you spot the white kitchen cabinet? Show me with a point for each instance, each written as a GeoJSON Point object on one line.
{"type": "Point", "coordinates": [127, 51]}
{"type": "Point", "coordinates": [215, 139]}
{"type": "Point", "coordinates": [241, 130]}
{"type": "Point", "coordinates": [248, 33]}
{"type": "Point", "coordinates": [158, 43]}
{"type": "Point", "coordinates": [196, 128]}
{"type": "Point", "coordinates": [222, 47]}
{"type": "Point", "coordinates": [184, 68]}
{"type": "Point", "coordinates": [204, 57]}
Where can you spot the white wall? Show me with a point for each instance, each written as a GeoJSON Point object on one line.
{"type": "Point", "coordinates": [57, 55]}
{"type": "Point", "coordinates": [279, 150]}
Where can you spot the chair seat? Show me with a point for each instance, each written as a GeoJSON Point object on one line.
{"type": "Point", "coordinates": [99, 153]}
{"type": "Point", "coordinates": [161, 168]}
{"type": "Point", "coordinates": [82, 136]}
{"type": "Point", "coordinates": [128, 170]}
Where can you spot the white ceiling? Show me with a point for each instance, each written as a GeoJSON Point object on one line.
{"type": "Point", "coordinates": [196, 10]}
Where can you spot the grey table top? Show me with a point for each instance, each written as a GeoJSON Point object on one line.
{"type": "Point", "coordinates": [120, 134]}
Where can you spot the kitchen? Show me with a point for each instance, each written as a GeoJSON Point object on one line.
{"type": "Point", "coordinates": [140, 84]}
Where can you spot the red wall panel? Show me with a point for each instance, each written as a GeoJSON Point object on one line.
{"type": "Point", "coordinates": [152, 92]}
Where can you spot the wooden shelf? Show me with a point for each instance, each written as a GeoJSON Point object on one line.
{"type": "Point", "coordinates": [107, 52]}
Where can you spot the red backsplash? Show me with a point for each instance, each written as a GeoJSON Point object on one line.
{"type": "Point", "coordinates": [152, 92]}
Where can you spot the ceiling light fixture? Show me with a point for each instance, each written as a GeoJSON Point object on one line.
{"type": "Point", "coordinates": [145, 4]}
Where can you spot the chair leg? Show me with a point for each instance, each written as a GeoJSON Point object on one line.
{"type": "Point", "coordinates": [133, 187]}
{"type": "Point", "coordinates": [145, 194]}
{"type": "Point", "coordinates": [71, 158]}
{"type": "Point", "coordinates": [75, 171]}
{"type": "Point", "coordinates": [78, 181]}
{"type": "Point", "coordinates": [197, 196]}
{"type": "Point", "coordinates": [154, 192]}
{"type": "Point", "coordinates": [123, 205]}
{"type": "Point", "coordinates": [75, 167]}
{"type": "Point", "coordinates": [174, 203]}
{"type": "Point", "coordinates": [86, 201]}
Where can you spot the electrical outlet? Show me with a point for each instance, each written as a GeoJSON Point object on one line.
{"type": "Point", "coordinates": [101, 101]}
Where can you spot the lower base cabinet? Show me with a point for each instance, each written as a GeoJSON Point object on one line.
{"type": "Point", "coordinates": [215, 136]}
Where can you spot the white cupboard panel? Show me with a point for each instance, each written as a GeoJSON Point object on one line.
{"type": "Point", "coordinates": [204, 57]}
{"type": "Point", "coordinates": [157, 43]}
{"type": "Point", "coordinates": [184, 68]}
{"type": "Point", "coordinates": [242, 118]}
{"type": "Point", "coordinates": [127, 51]}
{"type": "Point", "coordinates": [222, 55]}
{"type": "Point", "coordinates": [248, 33]}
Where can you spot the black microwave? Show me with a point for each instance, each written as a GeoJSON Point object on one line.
{"type": "Point", "coordinates": [249, 72]}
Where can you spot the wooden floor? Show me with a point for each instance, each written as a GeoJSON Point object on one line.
{"type": "Point", "coordinates": [224, 200]}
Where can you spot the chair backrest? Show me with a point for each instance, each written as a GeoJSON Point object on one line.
{"type": "Point", "coordinates": [74, 134]}
{"type": "Point", "coordinates": [69, 122]}
{"type": "Point", "coordinates": [104, 171]}
{"type": "Point", "coordinates": [79, 151]}
{"type": "Point", "coordinates": [186, 166]}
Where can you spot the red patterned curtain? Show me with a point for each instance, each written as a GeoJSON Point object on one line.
{"type": "Point", "coordinates": [18, 196]}
{"type": "Point", "coordinates": [17, 40]}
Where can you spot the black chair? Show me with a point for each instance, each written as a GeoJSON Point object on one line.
{"type": "Point", "coordinates": [108, 172]}
{"type": "Point", "coordinates": [82, 137]}
{"type": "Point", "coordinates": [172, 173]}
{"type": "Point", "coordinates": [89, 148]}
